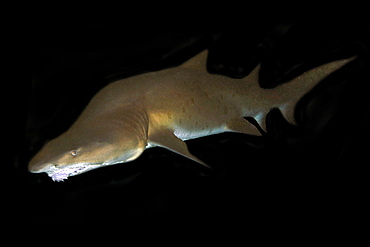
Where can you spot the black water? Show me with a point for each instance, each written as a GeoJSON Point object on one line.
{"type": "Point", "coordinates": [314, 172]}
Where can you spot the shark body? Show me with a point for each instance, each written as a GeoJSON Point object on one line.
{"type": "Point", "coordinates": [165, 108]}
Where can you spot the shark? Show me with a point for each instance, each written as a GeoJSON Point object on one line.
{"type": "Point", "coordinates": [165, 108]}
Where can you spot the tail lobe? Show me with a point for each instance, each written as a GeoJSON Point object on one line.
{"type": "Point", "coordinates": [291, 92]}
{"type": "Point", "coordinates": [286, 96]}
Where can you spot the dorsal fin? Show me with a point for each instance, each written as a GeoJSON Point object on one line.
{"type": "Point", "coordinates": [197, 62]}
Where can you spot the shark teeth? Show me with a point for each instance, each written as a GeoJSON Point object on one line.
{"type": "Point", "coordinates": [57, 177]}
{"type": "Point", "coordinates": [60, 174]}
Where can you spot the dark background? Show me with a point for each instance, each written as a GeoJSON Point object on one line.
{"type": "Point", "coordinates": [310, 172]}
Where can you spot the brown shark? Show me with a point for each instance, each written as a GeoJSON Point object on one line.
{"type": "Point", "coordinates": [165, 108]}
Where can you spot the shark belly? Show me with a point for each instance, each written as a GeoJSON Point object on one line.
{"type": "Point", "coordinates": [209, 116]}
{"type": "Point", "coordinates": [184, 133]}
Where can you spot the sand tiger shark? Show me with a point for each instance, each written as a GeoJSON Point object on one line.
{"type": "Point", "coordinates": [165, 108]}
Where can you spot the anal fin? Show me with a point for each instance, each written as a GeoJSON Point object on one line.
{"type": "Point", "coordinates": [242, 125]}
{"type": "Point", "coordinates": [163, 137]}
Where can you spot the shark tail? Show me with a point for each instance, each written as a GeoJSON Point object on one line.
{"type": "Point", "coordinates": [286, 96]}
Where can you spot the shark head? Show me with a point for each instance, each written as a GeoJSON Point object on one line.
{"type": "Point", "coordinates": [67, 156]}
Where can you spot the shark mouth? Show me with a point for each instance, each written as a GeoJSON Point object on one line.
{"type": "Point", "coordinates": [60, 174]}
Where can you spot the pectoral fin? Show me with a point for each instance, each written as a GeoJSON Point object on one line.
{"type": "Point", "coordinates": [242, 125]}
{"type": "Point", "coordinates": [166, 139]}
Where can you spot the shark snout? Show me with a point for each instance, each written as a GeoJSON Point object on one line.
{"type": "Point", "coordinates": [40, 167]}
{"type": "Point", "coordinates": [40, 164]}
{"type": "Point", "coordinates": [35, 167]}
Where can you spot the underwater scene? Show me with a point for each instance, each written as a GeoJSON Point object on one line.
{"type": "Point", "coordinates": [309, 170]}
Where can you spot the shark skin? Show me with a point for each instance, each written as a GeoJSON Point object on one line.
{"type": "Point", "coordinates": [165, 108]}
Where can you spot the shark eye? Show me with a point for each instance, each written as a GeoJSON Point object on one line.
{"type": "Point", "coordinates": [73, 153]}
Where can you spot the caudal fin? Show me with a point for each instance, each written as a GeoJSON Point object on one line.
{"type": "Point", "coordinates": [291, 92]}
